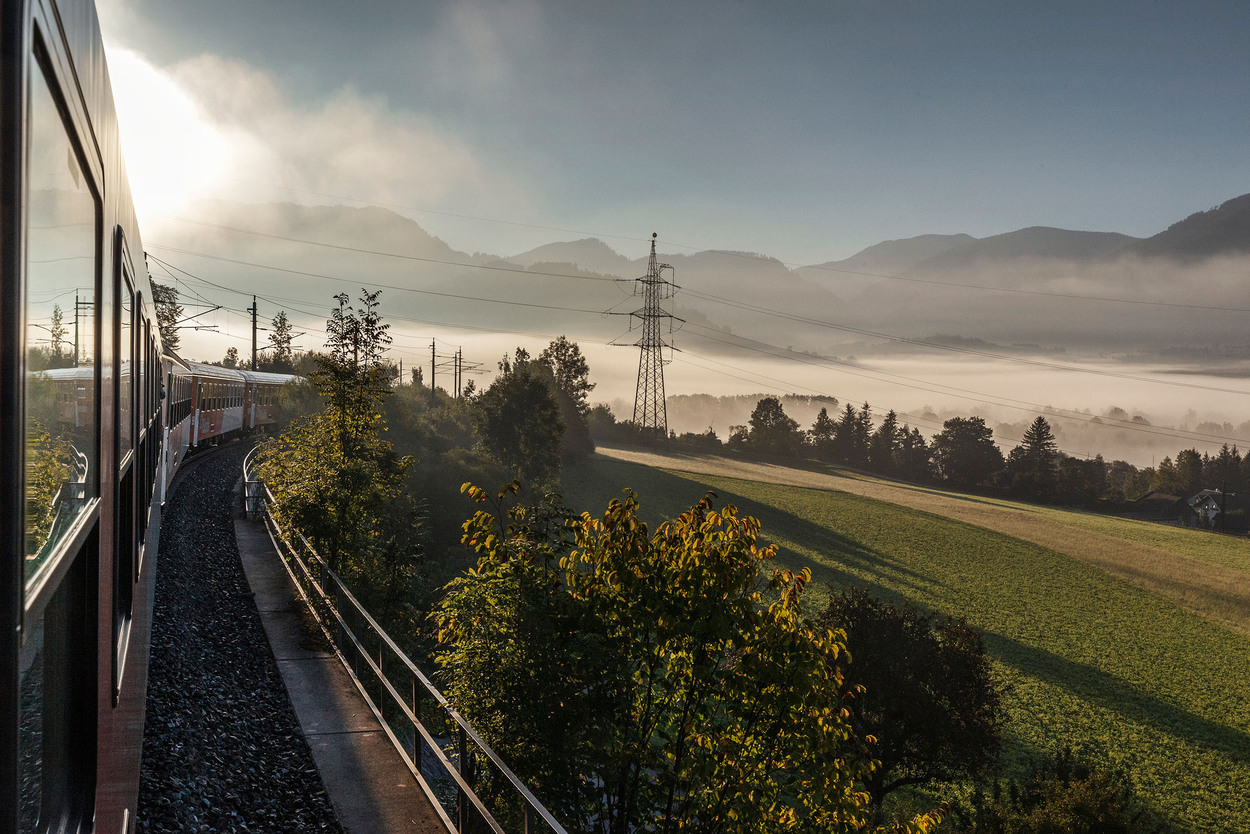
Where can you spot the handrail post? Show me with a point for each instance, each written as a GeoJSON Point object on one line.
{"type": "Point", "coordinates": [416, 736]}
{"type": "Point", "coordinates": [461, 805]}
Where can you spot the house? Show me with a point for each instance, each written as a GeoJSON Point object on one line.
{"type": "Point", "coordinates": [1228, 512]}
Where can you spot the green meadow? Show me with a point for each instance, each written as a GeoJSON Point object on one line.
{"type": "Point", "coordinates": [1090, 660]}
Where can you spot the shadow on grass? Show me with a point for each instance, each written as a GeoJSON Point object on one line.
{"type": "Point", "coordinates": [841, 560]}
{"type": "Point", "coordinates": [1120, 696]}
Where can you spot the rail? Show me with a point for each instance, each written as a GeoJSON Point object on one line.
{"type": "Point", "coordinates": [469, 785]}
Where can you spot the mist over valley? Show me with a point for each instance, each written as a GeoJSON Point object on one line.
{"type": "Point", "coordinates": [930, 326]}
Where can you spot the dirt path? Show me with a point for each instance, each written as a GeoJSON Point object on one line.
{"type": "Point", "coordinates": [1214, 591]}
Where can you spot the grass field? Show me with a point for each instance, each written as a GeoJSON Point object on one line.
{"type": "Point", "coordinates": [1203, 572]}
{"type": "Point", "coordinates": [1092, 659]}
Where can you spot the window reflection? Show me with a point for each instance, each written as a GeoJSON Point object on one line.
{"type": "Point", "coordinates": [124, 363]}
{"type": "Point", "coordinates": [60, 420]}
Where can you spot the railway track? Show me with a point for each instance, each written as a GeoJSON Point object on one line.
{"type": "Point", "coordinates": [222, 748]}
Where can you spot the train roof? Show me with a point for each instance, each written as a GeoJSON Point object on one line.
{"type": "Point", "coordinates": [85, 372]}
{"type": "Point", "coordinates": [266, 378]}
{"type": "Point", "coordinates": [170, 356]}
{"type": "Point", "coordinates": [214, 371]}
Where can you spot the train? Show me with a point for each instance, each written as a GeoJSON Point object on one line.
{"type": "Point", "coordinates": [96, 418]}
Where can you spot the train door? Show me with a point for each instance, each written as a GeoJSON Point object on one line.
{"type": "Point", "coordinates": [126, 522]}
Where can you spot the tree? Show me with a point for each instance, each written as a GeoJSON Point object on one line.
{"type": "Point", "coordinates": [570, 383]}
{"type": "Point", "coordinates": [651, 682]}
{"type": "Point", "coordinates": [518, 419]}
{"type": "Point", "coordinates": [352, 376]}
{"type": "Point", "coordinates": [863, 433]}
{"type": "Point", "coordinates": [334, 478]}
{"type": "Point", "coordinates": [1189, 472]}
{"type": "Point", "coordinates": [1225, 470]}
{"type": "Point", "coordinates": [231, 359]}
{"type": "Point", "coordinates": [568, 366]}
{"type": "Point", "coordinates": [849, 442]}
{"type": "Point", "coordinates": [1032, 467]}
{"type": "Point", "coordinates": [1066, 793]}
{"type": "Point", "coordinates": [928, 696]}
{"type": "Point", "coordinates": [820, 435]}
{"type": "Point", "coordinates": [1165, 478]}
{"type": "Point", "coordinates": [964, 452]}
{"type": "Point", "coordinates": [57, 334]}
{"type": "Point", "coordinates": [884, 444]}
{"type": "Point", "coordinates": [280, 336]}
{"type": "Point", "coordinates": [772, 432]}
{"type": "Point", "coordinates": [168, 313]}
{"type": "Point", "coordinates": [913, 458]}
{"type": "Point", "coordinates": [1081, 481]}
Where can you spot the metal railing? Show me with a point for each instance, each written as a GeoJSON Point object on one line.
{"type": "Point", "coordinates": [470, 787]}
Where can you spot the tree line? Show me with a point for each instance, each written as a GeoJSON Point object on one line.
{"type": "Point", "coordinates": [963, 455]}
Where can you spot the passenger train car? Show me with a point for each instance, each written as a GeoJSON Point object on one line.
{"type": "Point", "coordinates": [94, 421]}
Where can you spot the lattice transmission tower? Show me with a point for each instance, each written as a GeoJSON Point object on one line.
{"type": "Point", "coordinates": [650, 412]}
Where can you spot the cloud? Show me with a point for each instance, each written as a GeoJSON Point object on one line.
{"type": "Point", "coordinates": [173, 152]}
{"type": "Point", "coordinates": [213, 127]}
{"type": "Point", "coordinates": [481, 48]}
{"type": "Point", "coordinates": [347, 144]}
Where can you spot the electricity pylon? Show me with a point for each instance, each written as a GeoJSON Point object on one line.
{"type": "Point", "coordinates": [650, 413]}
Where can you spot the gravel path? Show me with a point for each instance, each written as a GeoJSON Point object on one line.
{"type": "Point", "coordinates": [222, 748]}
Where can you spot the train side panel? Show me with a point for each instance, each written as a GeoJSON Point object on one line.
{"type": "Point", "coordinates": [80, 434]}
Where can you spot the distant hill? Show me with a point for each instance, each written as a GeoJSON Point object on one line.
{"type": "Point", "coordinates": [366, 227]}
{"type": "Point", "coordinates": [1040, 285]}
{"type": "Point", "coordinates": [590, 254]}
{"type": "Point", "coordinates": [860, 272]}
{"type": "Point", "coordinates": [1033, 242]}
{"type": "Point", "coordinates": [891, 257]}
{"type": "Point", "coordinates": [1223, 229]}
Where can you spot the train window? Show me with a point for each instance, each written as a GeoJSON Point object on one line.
{"type": "Point", "coordinates": [125, 546]}
{"type": "Point", "coordinates": [62, 450]}
{"type": "Point", "coordinates": [125, 352]}
{"type": "Point", "coordinates": [58, 680]}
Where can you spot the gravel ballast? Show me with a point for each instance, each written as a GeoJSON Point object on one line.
{"type": "Point", "coordinates": [222, 748]}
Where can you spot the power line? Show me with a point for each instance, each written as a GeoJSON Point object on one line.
{"type": "Point", "coordinates": [380, 253]}
{"type": "Point", "coordinates": [979, 397]}
{"type": "Point", "coordinates": [704, 296]}
{"type": "Point", "coordinates": [377, 284]}
{"type": "Point", "coordinates": [744, 255]}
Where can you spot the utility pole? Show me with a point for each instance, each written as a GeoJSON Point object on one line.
{"type": "Point", "coordinates": [650, 410]}
{"type": "Point", "coordinates": [458, 373]}
{"type": "Point", "coordinates": [81, 308]}
{"type": "Point", "coordinates": [252, 310]}
{"type": "Point", "coordinates": [433, 365]}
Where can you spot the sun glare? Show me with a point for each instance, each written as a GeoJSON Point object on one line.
{"type": "Point", "coordinates": [173, 155]}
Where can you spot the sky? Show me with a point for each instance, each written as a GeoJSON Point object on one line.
{"type": "Point", "coordinates": [803, 130]}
